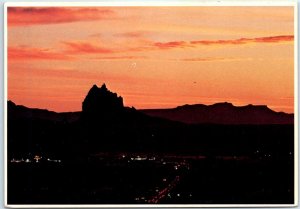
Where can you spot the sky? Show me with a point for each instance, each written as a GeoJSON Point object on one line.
{"type": "Point", "coordinates": [154, 57]}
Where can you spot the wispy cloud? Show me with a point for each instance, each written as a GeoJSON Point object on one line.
{"type": "Point", "coordinates": [269, 39]}
{"type": "Point", "coordinates": [72, 48]}
{"type": "Point", "coordinates": [86, 48]}
{"type": "Point", "coordinates": [22, 16]}
{"type": "Point", "coordinates": [275, 39]}
{"type": "Point", "coordinates": [30, 53]}
{"type": "Point", "coordinates": [240, 41]}
{"type": "Point", "coordinates": [92, 47]}
{"type": "Point", "coordinates": [171, 44]}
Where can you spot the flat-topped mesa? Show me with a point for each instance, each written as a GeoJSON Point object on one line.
{"type": "Point", "coordinates": [101, 100]}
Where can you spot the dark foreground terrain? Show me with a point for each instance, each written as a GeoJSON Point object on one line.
{"type": "Point", "coordinates": [111, 154]}
{"type": "Point", "coordinates": [259, 171]}
{"type": "Point", "coordinates": [170, 181]}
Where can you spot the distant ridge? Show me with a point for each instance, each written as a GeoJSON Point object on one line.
{"type": "Point", "coordinates": [15, 112]}
{"type": "Point", "coordinates": [100, 103]}
{"type": "Point", "coordinates": [222, 113]}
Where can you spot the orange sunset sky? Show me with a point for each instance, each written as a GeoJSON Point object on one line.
{"type": "Point", "coordinates": [154, 57]}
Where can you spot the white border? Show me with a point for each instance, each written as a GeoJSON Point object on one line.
{"type": "Point", "coordinates": [162, 3]}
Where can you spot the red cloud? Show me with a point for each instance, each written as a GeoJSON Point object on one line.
{"type": "Point", "coordinates": [275, 39]}
{"type": "Point", "coordinates": [86, 48]}
{"type": "Point", "coordinates": [90, 48]}
{"type": "Point", "coordinates": [170, 45]}
{"type": "Point", "coordinates": [81, 47]}
{"type": "Point", "coordinates": [241, 41]}
{"type": "Point", "coordinates": [30, 53]}
{"type": "Point", "coordinates": [53, 15]}
{"type": "Point", "coordinates": [270, 39]}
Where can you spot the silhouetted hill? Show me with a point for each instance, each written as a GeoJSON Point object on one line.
{"type": "Point", "coordinates": [222, 113]}
{"type": "Point", "coordinates": [15, 112]}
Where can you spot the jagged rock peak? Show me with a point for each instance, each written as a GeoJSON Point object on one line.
{"type": "Point", "coordinates": [101, 100]}
{"type": "Point", "coordinates": [103, 87]}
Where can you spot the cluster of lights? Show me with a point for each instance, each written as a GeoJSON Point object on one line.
{"type": "Point", "coordinates": [139, 158]}
{"type": "Point", "coordinates": [36, 159]}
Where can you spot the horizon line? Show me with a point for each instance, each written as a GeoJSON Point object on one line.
{"type": "Point", "coordinates": [167, 108]}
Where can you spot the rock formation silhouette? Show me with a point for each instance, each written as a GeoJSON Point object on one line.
{"type": "Point", "coordinates": [101, 104]}
{"type": "Point", "coordinates": [101, 100]}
